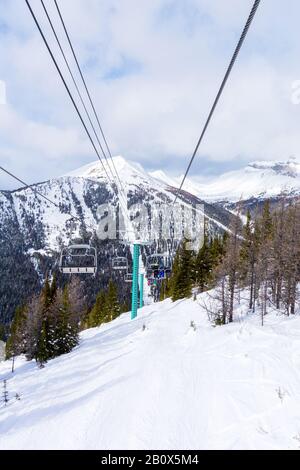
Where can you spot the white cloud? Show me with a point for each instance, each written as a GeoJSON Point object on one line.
{"type": "Point", "coordinates": [154, 113]}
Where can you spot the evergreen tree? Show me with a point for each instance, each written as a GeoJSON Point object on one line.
{"type": "Point", "coordinates": [65, 327]}
{"type": "Point", "coordinates": [204, 265]}
{"type": "Point", "coordinates": [228, 272]}
{"type": "Point", "coordinates": [42, 352]}
{"type": "Point", "coordinates": [98, 312]}
{"type": "Point", "coordinates": [247, 240]}
{"type": "Point", "coordinates": [49, 325]}
{"type": "Point", "coordinates": [2, 332]}
{"type": "Point", "coordinates": [67, 333]}
{"type": "Point", "coordinates": [112, 307]}
{"type": "Point", "coordinates": [266, 223]}
{"type": "Point", "coordinates": [125, 306]}
{"type": "Point", "coordinates": [46, 294]}
{"type": "Point", "coordinates": [53, 288]}
{"type": "Point", "coordinates": [16, 343]}
{"type": "Point", "coordinates": [218, 248]}
{"type": "Point", "coordinates": [183, 273]}
{"type": "Point", "coordinates": [175, 271]}
{"type": "Point", "coordinates": [48, 340]}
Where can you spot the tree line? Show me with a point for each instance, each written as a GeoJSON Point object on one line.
{"type": "Point", "coordinates": [49, 324]}
{"type": "Point", "coordinates": [193, 270]}
{"type": "Point", "coordinates": [260, 257]}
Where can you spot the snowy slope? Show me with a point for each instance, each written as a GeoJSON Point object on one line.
{"type": "Point", "coordinates": [129, 172]}
{"type": "Point", "coordinates": [163, 177]}
{"type": "Point", "coordinates": [169, 387]}
{"type": "Point", "coordinates": [190, 185]}
{"type": "Point", "coordinates": [82, 192]}
{"type": "Point", "coordinates": [258, 179]}
{"type": "Point", "coordinates": [262, 179]}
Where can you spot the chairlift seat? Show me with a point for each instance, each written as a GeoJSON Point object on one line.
{"type": "Point", "coordinates": [120, 263]}
{"type": "Point", "coordinates": [79, 258]}
{"type": "Point", "coordinates": [128, 278]}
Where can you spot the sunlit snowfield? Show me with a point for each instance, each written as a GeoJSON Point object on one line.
{"type": "Point", "coordinates": [168, 385]}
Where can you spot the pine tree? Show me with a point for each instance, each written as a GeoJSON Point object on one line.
{"type": "Point", "coordinates": [183, 273]}
{"type": "Point", "coordinates": [68, 332]}
{"type": "Point", "coordinates": [112, 306]}
{"type": "Point", "coordinates": [49, 320]}
{"type": "Point", "coordinates": [2, 332]}
{"type": "Point", "coordinates": [248, 257]}
{"type": "Point", "coordinates": [266, 225]}
{"type": "Point", "coordinates": [125, 306]}
{"type": "Point", "coordinates": [49, 325]}
{"type": "Point", "coordinates": [16, 343]}
{"type": "Point", "coordinates": [46, 294]}
{"type": "Point", "coordinates": [247, 240]}
{"type": "Point", "coordinates": [53, 288]}
{"type": "Point", "coordinates": [98, 312]}
{"type": "Point", "coordinates": [228, 272]}
{"type": "Point", "coordinates": [204, 264]}
{"type": "Point", "coordinates": [175, 271]}
{"type": "Point", "coordinates": [42, 353]}
{"type": "Point", "coordinates": [33, 326]}
{"type": "Point", "coordinates": [64, 336]}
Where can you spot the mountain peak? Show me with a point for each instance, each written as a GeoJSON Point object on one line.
{"type": "Point", "coordinates": [259, 178]}
{"type": "Point", "coordinates": [162, 176]}
{"type": "Point", "coordinates": [98, 170]}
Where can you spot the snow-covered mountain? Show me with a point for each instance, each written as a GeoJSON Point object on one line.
{"type": "Point", "coordinates": [190, 185]}
{"type": "Point", "coordinates": [80, 193]}
{"type": "Point", "coordinates": [32, 230]}
{"type": "Point", "coordinates": [166, 386]}
{"type": "Point", "coordinates": [258, 179]}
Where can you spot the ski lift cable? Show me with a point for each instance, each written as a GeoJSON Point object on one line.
{"type": "Point", "coordinates": [89, 95]}
{"type": "Point", "coordinates": [26, 185]}
{"type": "Point", "coordinates": [77, 88]}
{"type": "Point", "coordinates": [66, 86]}
{"type": "Point", "coordinates": [122, 202]}
{"type": "Point", "coordinates": [75, 84]}
{"type": "Point", "coordinates": [38, 193]}
{"type": "Point", "coordinates": [122, 191]}
{"type": "Point", "coordinates": [228, 71]}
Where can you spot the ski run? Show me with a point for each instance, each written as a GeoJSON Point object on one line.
{"type": "Point", "coordinates": [167, 380]}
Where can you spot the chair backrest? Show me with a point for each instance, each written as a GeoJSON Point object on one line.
{"type": "Point", "coordinates": [128, 277]}
{"type": "Point", "coordinates": [79, 259]}
{"type": "Point", "coordinates": [119, 263]}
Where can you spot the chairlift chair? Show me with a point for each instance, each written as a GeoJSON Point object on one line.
{"type": "Point", "coordinates": [155, 261]}
{"type": "Point", "coordinates": [78, 259]}
{"type": "Point", "coordinates": [128, 278]}
{"type": "Point", "coordinates": [119, 263]}
{"type": "Point", "coordinates": [159, 261]}
{"type": "Point", "coordinates": [158, 266]}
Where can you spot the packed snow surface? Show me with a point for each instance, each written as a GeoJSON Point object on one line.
{"type": "Point", "coordinates": [167, 386]}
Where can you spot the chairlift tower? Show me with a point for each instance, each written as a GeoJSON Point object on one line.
{"type": "Point", "coordinates": [137, 300]}
{"type": "Point", "coordinates": [135, 280]}
{"type": "Point", "coordinates": [141, 288]}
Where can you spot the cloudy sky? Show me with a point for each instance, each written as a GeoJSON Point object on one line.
{"type": "Point", "coordinates": [153, 67]}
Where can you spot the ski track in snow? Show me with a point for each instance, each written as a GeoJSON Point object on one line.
{"type": "Point", "coordinates": [167, 387]}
